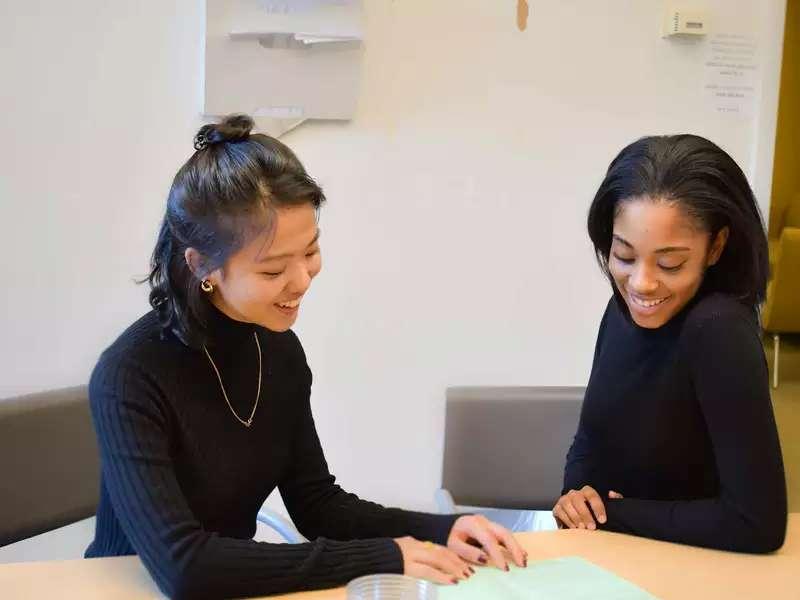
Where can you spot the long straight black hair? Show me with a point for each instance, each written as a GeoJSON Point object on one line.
{"type": "Point", "coordinates": [226, 193]}
{"type": "Point", "coordinates": [706, 182]}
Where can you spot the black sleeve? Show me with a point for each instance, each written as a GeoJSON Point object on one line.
{"type": "Point", "coordinates": [730, 378]}
{"type": "Point", "coordinates": [184, 559]}
{"type": "Point", "coordinates": [577, 472]}
{"type": "Point", "coordinates": [319, 507]}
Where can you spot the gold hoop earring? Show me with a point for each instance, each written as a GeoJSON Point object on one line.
{"type": "Point", "coordinates": [206, 286]}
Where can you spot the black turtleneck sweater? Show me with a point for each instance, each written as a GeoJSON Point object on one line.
{"type": "Point", "coordinates": [182, 480]}
{"type": "Point", "coordinates": [679, 420]}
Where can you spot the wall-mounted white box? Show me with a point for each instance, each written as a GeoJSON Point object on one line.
{"type": "Point", "coordinates": [679, 21]}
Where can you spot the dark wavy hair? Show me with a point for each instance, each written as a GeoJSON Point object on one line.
{"type": "Point", "coordinates": [226, 193]}
{"type": "Point", "coordinates": [706, 182]}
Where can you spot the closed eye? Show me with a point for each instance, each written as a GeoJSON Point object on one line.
{"type": "Point", "coordinates": [673, 269]}
{"type": "Point", "coordinates": [627, 261]}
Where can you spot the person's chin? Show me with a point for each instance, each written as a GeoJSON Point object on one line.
{"type": "Point", "coordinates": [280, 322]}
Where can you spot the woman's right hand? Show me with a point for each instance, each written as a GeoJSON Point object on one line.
{"type": "Point", "coordinates": [572, 509]}
{"type": "Point", "coordinates": [426, 560]}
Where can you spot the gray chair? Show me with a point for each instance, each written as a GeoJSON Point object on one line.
{"type": "Point", "coordinates": [505, 449]}
{"type": "Point", "coordinates": [50, 466]}
{"type": "Point", "coordinates": [48, 461]}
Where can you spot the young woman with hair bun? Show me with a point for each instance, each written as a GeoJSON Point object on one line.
{"type": "Point", "coordinates": [202, 408]}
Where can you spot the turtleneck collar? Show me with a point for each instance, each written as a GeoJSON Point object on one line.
{"type": "Point", "coordinates": [225, 331]}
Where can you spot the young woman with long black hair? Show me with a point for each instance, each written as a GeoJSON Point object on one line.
{"type": "Point", "coordinates": [677, 438]}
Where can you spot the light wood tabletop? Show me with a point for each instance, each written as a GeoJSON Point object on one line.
{"type": "Point", "coordinates": [665, 570]}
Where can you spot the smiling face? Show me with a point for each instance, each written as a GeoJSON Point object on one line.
{"type": "Point", "coordinates": [658, 258]}
{"type": "Point", "coordinates": [264, 282]}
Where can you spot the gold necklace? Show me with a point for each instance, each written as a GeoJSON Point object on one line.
{"type": "Point", "coordinates": [249, 421]}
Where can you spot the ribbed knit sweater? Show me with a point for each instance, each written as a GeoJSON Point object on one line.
{"type": "Point", "coordinates": [183, 480]}
{"type": "Point", "coordinates": [679, 421]}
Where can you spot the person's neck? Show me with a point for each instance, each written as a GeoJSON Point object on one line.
{"type": "Point", "coordinates": [228, 310]}
{"type": "Point", "coordinates": [227, 326]}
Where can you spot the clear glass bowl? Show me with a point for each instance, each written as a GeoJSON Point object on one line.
{"type": "Point", "coordinates": [391, 587]}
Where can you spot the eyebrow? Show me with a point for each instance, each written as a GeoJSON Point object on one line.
{"type": "Point", "coordinates": [665, 250]}
{"type": "Point", "coordinates": [289, 254]}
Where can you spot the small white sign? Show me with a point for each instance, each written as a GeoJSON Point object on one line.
{"type": "Point", "coordinates": [732, 82]}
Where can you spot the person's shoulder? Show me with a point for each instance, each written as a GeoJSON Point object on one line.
{"type": "Point", "coordinates": [143, 348]}
{"type": "Point", "coordinates": [614, 315]}
{"type": "Point", "coordinates": [132, 370]}
{"type": "Point", "coordinates": [141, 340]}
{"type": "Point", "coordinates": [718, 307]}
{"type": "Point", "coordinates": [716, 316]}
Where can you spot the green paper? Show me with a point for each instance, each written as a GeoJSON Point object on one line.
{"type": "Point", "coordinates": [570, 578]}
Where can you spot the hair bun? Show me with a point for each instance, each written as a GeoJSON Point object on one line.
{"type": "Point", "coordinates": [233, 128]}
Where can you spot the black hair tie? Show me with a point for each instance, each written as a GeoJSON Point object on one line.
{"type": "Point", "coordinates": [158, 301]}
{"type": "Point", "coordinates": [200, 141]}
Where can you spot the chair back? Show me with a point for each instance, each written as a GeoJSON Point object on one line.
{"type": "Point", "coordinates": [781, 312]}
{"type": "Point", "coordinates": [505, 447]}
{"type": "Point", "coordinates": [49, 462]}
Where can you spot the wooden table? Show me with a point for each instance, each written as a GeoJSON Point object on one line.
{"type": "Point", "coordinates": [665, 570]}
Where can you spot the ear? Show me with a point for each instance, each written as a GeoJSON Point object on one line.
{"type": "Point", "coordinates": [717, 246]}
{"type": "Point", "coordinates": [196, 262]}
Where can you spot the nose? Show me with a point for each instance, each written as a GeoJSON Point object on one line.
{"type": "Point", "coordinates": [300, 279]}
{"type": "Point", "coordinates": [642, 281]}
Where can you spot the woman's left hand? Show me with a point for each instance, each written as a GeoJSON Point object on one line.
{"type": "Point", "coordinates": [478, 540]}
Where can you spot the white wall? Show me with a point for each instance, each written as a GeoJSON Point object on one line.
{"type": "Point", "coordinates": [99, 105]}
{"type": "Point", "coordinates": [454, 238]}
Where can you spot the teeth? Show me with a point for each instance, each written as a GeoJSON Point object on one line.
{"type": "Point", "coordinates": [647, 303]}
{"type": "Point", "coordinates": [290, 304]}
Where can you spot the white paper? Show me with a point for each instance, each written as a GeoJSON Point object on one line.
{"type": "Point", "coordinates": [294, 6]}
{"type": "Point", "coordinates": [731, 69]}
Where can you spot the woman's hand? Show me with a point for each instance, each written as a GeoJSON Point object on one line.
{"type": "Point", "coordinates": [572, 509]}
{"type": "Point", "coordinates": [426, 560]}
{"type": "Point", "coordinates": [478, 540]}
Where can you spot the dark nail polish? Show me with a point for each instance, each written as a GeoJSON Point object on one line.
{"type": "Point", "coordinates": [482, 560]}
{"type": "Point", "coordinates": [454, 580]}
{"type": "Point", "coordinates": [525, 562]}
{"type": "Point", "coordinates": [471, 570]}
{"type": "Point", "coordinates": [507, 568]}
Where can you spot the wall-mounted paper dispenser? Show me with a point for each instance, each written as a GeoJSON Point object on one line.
{"type": "Point", "coordinates": [283, 62]}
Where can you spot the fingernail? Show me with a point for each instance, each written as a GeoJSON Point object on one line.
{"type": "Point", "coordinates": [454, 581]}
{"type": "Point", "coordinates": [482, 559]}
{"type": "Point", "coordinates": [508, 568]}
{"type": "Point", "coordinates": [471, 570]}
{"type": "Point", "coordinates": [602, 519]}
{"type": "Point", "coordinates": [591, 526]}
{"type": "Point", "coordinates": [525, 562]}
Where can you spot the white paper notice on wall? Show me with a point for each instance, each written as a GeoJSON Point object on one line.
{"type": "Point", "coordinates": [295, 6]}
{"type": "Point", "coordinates": [732, 74]}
